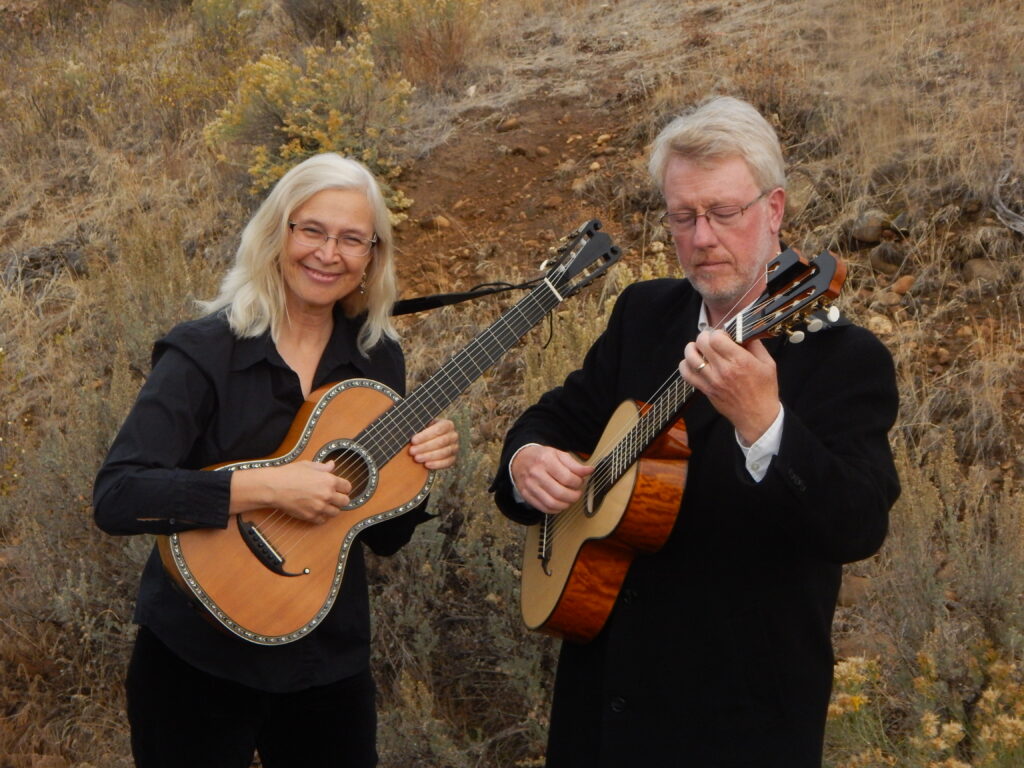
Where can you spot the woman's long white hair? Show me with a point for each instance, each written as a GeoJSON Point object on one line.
{"type": "Point", "coordinates": [252, 294]}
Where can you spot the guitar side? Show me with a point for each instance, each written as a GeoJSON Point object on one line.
{"type": "Point", "coordinates": [218, 567]}
{"type": "Point", "coordinates": [571, 593]}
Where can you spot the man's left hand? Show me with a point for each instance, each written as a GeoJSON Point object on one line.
{"type": "Point", "coordinates": [740, 381]}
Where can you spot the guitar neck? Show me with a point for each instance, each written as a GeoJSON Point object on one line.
{"type": "Point", "coordinates": [390, 433]}
{"type": "Point", "coordinates": [653, 420]}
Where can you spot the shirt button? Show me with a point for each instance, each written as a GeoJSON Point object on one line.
{"type": "Point", "coordinates": [617, 704]}
{"type": "Point", "coordinates": [172, 521]}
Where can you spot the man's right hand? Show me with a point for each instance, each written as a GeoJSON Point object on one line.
{"type": "Point", "coordinates": [548, 479]}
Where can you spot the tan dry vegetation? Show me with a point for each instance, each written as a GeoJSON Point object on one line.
{"type": "Point", "coordinates": [901, 122]}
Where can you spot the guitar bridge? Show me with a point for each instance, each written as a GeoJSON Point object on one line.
{"type": "Point", "coordinates": [262, 549]}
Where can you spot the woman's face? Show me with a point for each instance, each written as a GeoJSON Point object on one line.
{"type": "Point", "coordinates": [315, 277]}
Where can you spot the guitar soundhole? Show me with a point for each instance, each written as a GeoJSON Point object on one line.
{"type": "Point", "coordinates": [351, 464]}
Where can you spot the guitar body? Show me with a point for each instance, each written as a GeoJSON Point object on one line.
{"type": "Point", "coordinates": [590, 546]}
{"type": "Point", "coordinates": [270, 601]}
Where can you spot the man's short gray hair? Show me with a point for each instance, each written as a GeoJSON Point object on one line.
{"type": "Point", "coordinates": [720, 128]}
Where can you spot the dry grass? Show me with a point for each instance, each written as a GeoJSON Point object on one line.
{"type": "Point", "coordinates": [115, 215]}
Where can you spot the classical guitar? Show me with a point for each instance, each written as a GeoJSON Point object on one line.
{"type": "Point", "coordinates": [270, 578]}
{"type": "Point", "coordinates": [575, 562]}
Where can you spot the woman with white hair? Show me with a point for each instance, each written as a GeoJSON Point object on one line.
{"type": "Point", "coordinates": [307, 303]}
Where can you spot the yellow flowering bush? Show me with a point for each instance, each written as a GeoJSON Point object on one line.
{"type": "Point", "coordinates": [978, 723]}
{"type": "Point", "coordinates": [852, 678]}
{"type": "Point", "coordinates": [999, 715]}
{"type": "Point", "coordinates": [937, 739]}
{"type": "Point", "coordinates": [855, 716]}
{"type": "Point", "coordinates": [332, 100]}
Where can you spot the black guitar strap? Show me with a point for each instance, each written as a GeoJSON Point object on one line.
{"type": "Point", "coordinates": [423, 303]}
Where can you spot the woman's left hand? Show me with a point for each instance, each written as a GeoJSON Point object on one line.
{"type": "Point", "coordinates": [437, 446]}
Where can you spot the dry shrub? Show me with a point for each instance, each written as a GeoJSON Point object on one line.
{"type": "Point", "coordinates": [915, 137]}
{"type": "Point", "coordinates": [467, 684]}
{"type": "Point", "coordinates": [945, 600]}
{"type": "Point", "coordinates": [959, 369]}
{"type": "Point", "coordinates": [325, 20]}
{"type": "Point", "coordinates": [39, 17]}
{"type": "Point", "coordinates": [75, 350]}
{"type": "Point", "coordinates": [67, 607]}
{"type": "Point", "coordinates": [124, 63]}
{"type": "Point", "coordinates": [427, 40]}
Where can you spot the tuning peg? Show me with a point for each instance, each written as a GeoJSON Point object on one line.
{"type": "Point", "coordinates": [795, 337]}
{"type": "Point", "coordinates": [815, 324]}
{"type": "Point", "coordinates": [833, 314]}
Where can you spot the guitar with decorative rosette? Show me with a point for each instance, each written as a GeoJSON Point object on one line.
{"type": "Point", "coordinates": [271, 578]}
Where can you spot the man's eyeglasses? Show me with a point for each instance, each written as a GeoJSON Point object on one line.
{"type": "Point", "coordinates": [720, 215]}
{"type": "Point", "coordinates": [349, 246]}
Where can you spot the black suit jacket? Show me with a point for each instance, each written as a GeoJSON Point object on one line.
{"type": "Point", "coordinates": [718, 650]}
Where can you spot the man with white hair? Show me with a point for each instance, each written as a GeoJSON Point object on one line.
{"type": "Point", "coordinates": [717, 651]}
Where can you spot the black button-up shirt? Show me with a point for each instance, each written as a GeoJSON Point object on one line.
{"type": "Point", "coordinates": [213, 398]}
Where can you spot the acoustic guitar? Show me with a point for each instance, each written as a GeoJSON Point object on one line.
{"type": "Point", "coordinates": [270, 578]}
{"type": "Point", "coordinates": [575, 562]}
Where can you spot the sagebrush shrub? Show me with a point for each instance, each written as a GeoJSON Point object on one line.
{"type": "Point", "coordinates": [331, 100]}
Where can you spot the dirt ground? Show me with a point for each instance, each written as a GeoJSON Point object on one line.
{"type": "Point", "coordinates": [501, 193]}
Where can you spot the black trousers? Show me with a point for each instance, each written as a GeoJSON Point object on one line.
{"type": "Point", "coordinates": [183, 718]}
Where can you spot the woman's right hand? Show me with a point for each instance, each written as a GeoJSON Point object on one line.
{"type": "Point", "coordinates": [306, 490]}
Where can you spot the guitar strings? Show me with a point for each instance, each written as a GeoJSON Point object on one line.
{"type": "Point", "coordinates": [633, 438]}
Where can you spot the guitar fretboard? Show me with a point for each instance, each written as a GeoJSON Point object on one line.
{"type": "Point", "coordinates": [653, 420]}
{"type": "Point", "coordinates": [654, 417]}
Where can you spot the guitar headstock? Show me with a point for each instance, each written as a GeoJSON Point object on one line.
{"type": "Point", "coordinates": [796, 289]}
{"type": "Point", "coordinates": [586, 255]}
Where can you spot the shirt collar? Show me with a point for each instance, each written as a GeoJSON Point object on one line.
{"type": "Point", "coordinates": [342, 347]}
{"type": "Point", "coordinates": [702, 319]}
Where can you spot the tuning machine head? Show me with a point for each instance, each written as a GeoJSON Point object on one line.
{"type": "Point", "coordinates": [820, 319]}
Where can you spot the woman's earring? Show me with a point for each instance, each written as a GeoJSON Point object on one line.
{"type": "Point", "coordinates": [362, 284]}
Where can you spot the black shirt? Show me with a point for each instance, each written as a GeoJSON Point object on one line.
{"type": "Point", "coordinates": [213, 398]}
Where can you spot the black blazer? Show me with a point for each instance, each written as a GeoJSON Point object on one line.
{"type": "Point", "coordinates": [718, 650]}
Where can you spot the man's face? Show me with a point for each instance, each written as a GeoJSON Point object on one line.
{"type": "Point", "coordinates": [724, 259]}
